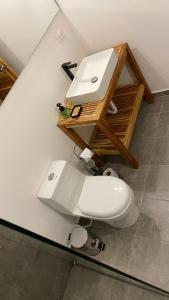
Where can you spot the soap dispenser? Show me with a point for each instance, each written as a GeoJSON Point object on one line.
{"type": "Point", "coordinates": [64, 110]}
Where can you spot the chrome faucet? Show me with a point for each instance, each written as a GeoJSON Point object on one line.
{"type": "Point", "coordinates": [67, 66]}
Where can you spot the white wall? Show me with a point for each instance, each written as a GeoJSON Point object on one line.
{"type": "Point", "coordinates": [29, 137]}
{"type": "Point", "coordinates": [22, 24]}
{"type": "Point", "coordinates": [143, 24]}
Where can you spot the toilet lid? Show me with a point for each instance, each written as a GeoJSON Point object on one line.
{"type": "Point", "coordinates": [103, 196]}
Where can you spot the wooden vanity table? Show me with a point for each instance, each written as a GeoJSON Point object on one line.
{"type": "Point", "coordinates": [7, 78]}
{"type": "Point", "coordinates": [112, 133]}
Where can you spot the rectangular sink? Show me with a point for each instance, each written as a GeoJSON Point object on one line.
{"type": "Point", "coordinates": [93, 77]}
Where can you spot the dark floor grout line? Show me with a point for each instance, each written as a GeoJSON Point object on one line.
{"type": "Point", "coordinates": [156, 199]}
{"type": "Point", "coordinates": [145, 186]}
{"type": "Point", "coordinates": [2, 241]}
{"type": "Point", "coordinates": [127, 269]}
{"type": "Point", "coordinates": [157, 126]}
{"type": "Point", "coordinates": [155, 164]}
{"type": "Point", "coordinates": [26, 276]}
{"type": "Point", "coordinates": [164, 112]}
{"type": "Point", "coordinates": [141, 204]}
{"type": "Point", "coordinates": [68, 283]}
{"type": "Point", "coordinates": [161, 241]}
{"type": "Point", "coordinates": [142, 138]}
{"type": "Point", "coordinates": [148, 112]}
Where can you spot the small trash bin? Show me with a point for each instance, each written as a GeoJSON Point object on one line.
{"type": "Point", "coordinates": [85, 241]}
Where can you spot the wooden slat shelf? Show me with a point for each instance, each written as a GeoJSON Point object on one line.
{"type": "Point", "coordinates": [127, 100]}
{"type": "Point", "coordinates": [112, 133]}
{"type": "Point", "coordinates": [89, 115]}
{"type": "Point", "coordinates": [7, 79]}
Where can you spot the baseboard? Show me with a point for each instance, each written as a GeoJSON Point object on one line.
{"type": "Point", "coordinates": [161, 93]}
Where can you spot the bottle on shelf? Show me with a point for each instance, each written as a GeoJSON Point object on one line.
{"type": "Point", "coordinates": [64, 110]}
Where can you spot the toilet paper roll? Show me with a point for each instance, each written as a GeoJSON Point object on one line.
{"type": "Point", "coordinates": [110, 172]}
{"type": "Point", "coordinates": [86, 154]}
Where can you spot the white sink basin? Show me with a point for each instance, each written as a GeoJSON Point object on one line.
{"type": "Point", "coordinates": [99, 68]}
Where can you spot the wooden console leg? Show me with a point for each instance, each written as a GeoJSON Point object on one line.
{"type": "Point", "coordinates": [137, 72]}
{"type": "Point", "coordinates": [80, 142]}
{"type": "Point", "coordinates": [103, 125]}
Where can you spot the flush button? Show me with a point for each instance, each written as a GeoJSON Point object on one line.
{"type": "Point", "coordinates": [51, 176]}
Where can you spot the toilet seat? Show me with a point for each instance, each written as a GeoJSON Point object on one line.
{"type": "Point", "coordinates": [104, 197]}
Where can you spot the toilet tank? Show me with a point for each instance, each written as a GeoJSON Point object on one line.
{"type": "Point", "coordinates": [61, 187]}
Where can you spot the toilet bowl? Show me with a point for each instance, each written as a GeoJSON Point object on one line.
{"type": "Point", "coordinates": [101, 198]}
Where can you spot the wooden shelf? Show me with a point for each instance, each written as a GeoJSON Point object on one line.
{"type": "Point", "coordinates": [127, 100]}
{"type": "Point", "coordinates": [112, 133]}
{"type": "Point", "coordinates": [89, 115]}
{"type": "Point", "coordinates": [7, 79]}
{"type": "Point", "coordinates": [93, 111]}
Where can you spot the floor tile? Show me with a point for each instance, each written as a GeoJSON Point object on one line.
{"type": "Point", "coordinates": [136, 178]}
{"type": "Point", "coordinates": [138, 198]}
{"type": "Point", "coordinates": [56, 252]}
{"type": "Point", "coordinates": [136, 293]}
{"type": "Point", "coordinates": [156, 296]}
{"type": "Point", "coordinates": [154, 220]}
{"type": "Point", "coordinates": [26, 274]}
{"type": "Point", "coordinates": [115, 254]}
{"type": "Point", "coordinates": [15, 263]}
{"type": "Point", "coordinates": [10, 234]}
{"type": "Point", "coordinates": [157, 186]}
{"type": "Point", "coordinates": [1, 242]}
{"type": "Point", "coordinates": [29, 241]}
{"type": "Point", "coordinates": [151, 107]}
{"type": "Point", "coordinates": [163, 125]}
{"type": "Point", "coordinates": [98, 225]}
{"type": "Point", "coordinates": [48, 249]}
{"type": "Point", "coordinates": [146, 125]}
{"type": "Point", "coordinates": [160, 153]}
{"type": "Point", "coordinates": [142, 148]}
{"type": "Point", "coordinates": [91, 285]}
{"type": "Point", "coordinates": [149, 261]}
{"type": "Point", "coordinates": [9, 292]}
{"type": "Point", "coordinates": [47, 278]}
{"type": "Point", "coordinates": [165, 103]}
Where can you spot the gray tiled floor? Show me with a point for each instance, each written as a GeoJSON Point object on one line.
{"type": "Point", "coordinates": [142, 149]}
{"type": "Point", "coordinates": [160, 154]}
{"type": "Point", "coordinates": [146, 125]}
{"type": "Point", "coordinates": [153, 221]}
{"type": "Point", "coordinates": [157, 186]}
{"type": "Point", "coordinates": [115, 255]}
{"type": "Point", "coordinates": [86, 284]}
{"type": "Point", "coordinates": [30, 269]}
{"type": "Point", "coordinates": [148, 261]}
{"type": "Point", "coordinates": [143, 249]}
{"type": "Point", "coordinates": [163, 124]}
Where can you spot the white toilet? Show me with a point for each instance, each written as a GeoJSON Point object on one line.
{"type": "Point", "coordinates": [103, 198]}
